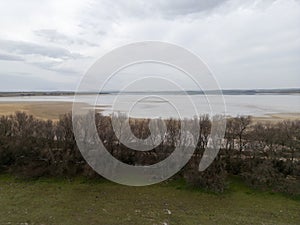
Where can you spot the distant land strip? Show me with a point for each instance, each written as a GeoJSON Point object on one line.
{"type": "Point", "coordinates": [190, 92]}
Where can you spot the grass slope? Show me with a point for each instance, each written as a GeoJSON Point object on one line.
{"type": "Point", "coordinates": [59, 201]}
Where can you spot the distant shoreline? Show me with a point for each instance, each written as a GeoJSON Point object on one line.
{"type": "Point", "coordinates": [289, 91]}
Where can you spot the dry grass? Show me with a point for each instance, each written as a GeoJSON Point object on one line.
{"type": "Point", "coordinates": [41, 110]}
{"type": "Point", "coordinates": [277, 117]}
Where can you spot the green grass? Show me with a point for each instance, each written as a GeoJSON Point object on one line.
{"type": "Point", "coordinates": [59, 201]}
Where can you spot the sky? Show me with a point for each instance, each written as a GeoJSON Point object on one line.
{"type": "Point", "coordinates": [50, 44]}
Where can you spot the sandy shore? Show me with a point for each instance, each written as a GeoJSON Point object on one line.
{"type": "Point", "coordinates": [52, 111]}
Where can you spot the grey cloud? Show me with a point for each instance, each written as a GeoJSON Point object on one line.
{"type": "Point", "coordinates": [118, 9]}
{"type": "Point", "coordinates": [23, 50]}
{"type": "Point", "coordinates": [8, 57]}
{"type": "Point", "coordinates": [55, 67]}
{"type": "Point", "coordinates": [179, 7]}
{"type": "Point", "coordinates": [17, 82]}
{"type": "Point", "coordinates": [27, 48]}
{"type": "Point", "coordinates": [57, 37]}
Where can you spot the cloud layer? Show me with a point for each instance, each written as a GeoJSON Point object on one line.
{"type": "Point", "coordinates": [247, 44]}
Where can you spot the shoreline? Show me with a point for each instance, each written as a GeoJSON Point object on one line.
{"type": "Point", "coordinates": [53, 109]}
{"type": "Point", "coordinates": [261, 91]}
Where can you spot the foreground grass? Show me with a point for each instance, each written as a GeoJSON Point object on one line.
{"type": "Point", "coordinates": [59, 201]}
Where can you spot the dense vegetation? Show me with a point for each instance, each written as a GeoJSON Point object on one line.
{"type": "Point", "coordinates": [264, 155]}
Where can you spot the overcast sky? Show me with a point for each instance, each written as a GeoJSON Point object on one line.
{"type": "Point", "coordinates": [49, 44]}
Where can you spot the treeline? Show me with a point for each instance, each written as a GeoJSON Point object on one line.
{"type": "Point", "coordinates": [264, 155]}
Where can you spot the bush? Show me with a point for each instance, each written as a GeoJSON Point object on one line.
{"type": "Point", "coordinates": [212, 179]}
{"type": "Point", "coordinates": [264, 175]}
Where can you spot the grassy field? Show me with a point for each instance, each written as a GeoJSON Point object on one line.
{"type": "Point", "coordinates": [60, 201]}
